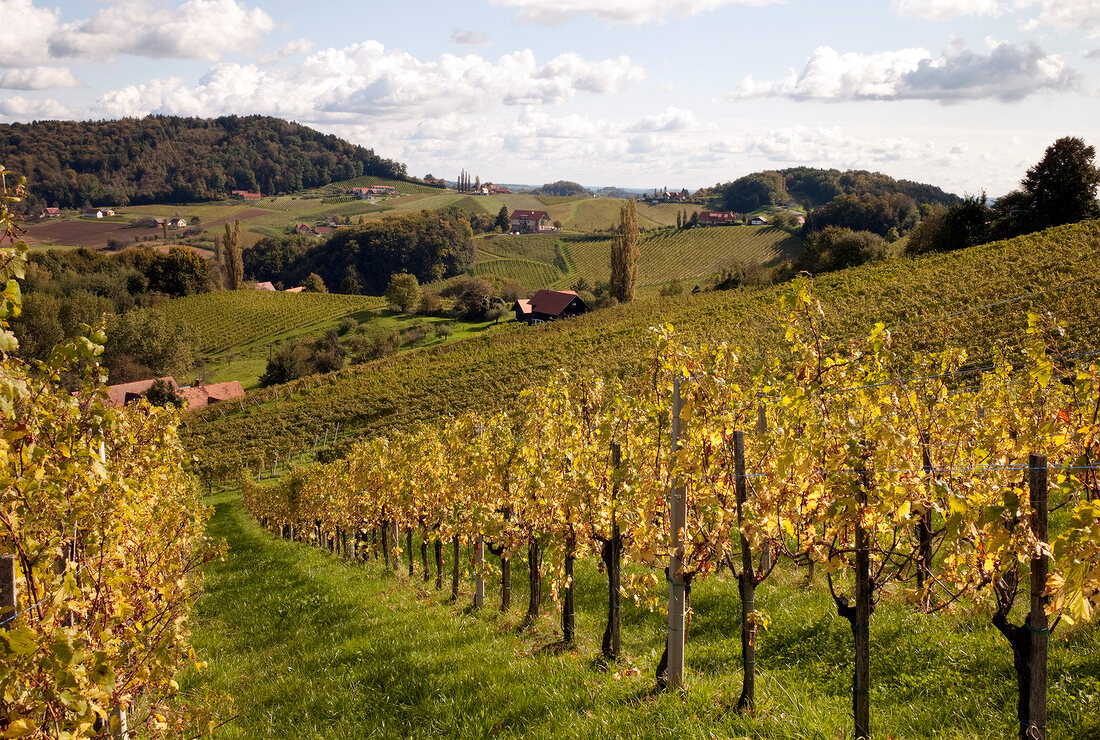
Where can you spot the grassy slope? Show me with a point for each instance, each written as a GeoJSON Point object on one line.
{"type": "Point", "coordinates": [314, 648]}
{"type": "Point", "coordinates": [488, 372]}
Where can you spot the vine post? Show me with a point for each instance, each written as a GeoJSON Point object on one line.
{"type": "Point", "coordinates": [677, 524]}
{"type": "Point", "coordinates": [1037, 621]}
{"type": "Point", "coordinates": [747, 701]}
{"type": "Point", "coordinates": [8, 592]}
{"type": "Point", "coordinates": [479, 578]}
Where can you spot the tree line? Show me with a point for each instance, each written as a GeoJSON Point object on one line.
{"type": "Point", "coordinates": [169, 159]}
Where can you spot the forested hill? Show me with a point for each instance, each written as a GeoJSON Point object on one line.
{"type": "Point", "coordinates": [167, 159]}
{"type": "Point", "coordinates": [812, 187]}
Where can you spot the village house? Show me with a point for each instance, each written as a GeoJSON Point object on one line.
{"type": "Point", "coordinates": [93, 213]}
{"type": "Point", "coordinates": [194, 397]}
{"type": "Point", "coordinates": [549, 305]}
{"type": "Point", "coordinates": [369, 192]}
{"type": "Point", "coordinates": [717, 218]}
{"type": "Point", "coordinates": [758, 221]}
{"type": "Point", "coordinates": [265, 285]}
{"type": "Point", "coordinates": [245, 194]}
{"type": "Point", "coordinates": [51, 213]}
{"type": "Point", "coordinates": [530, 222]}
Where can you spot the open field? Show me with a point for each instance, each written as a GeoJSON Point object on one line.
{"type": "Point", "coordinates": [335, 649]}
{"type": "Point", "coordinates": [83, 233]}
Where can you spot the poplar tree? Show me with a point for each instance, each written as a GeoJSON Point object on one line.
{"type": "Point", "coordinates": [234, 262]}
{"type": "Point", "coordinates": [624, 254]}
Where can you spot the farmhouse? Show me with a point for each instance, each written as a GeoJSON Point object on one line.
{"type": "Point", "coordinates": [93, 213]}
{"type": "Point", "coordinates": [245, 194]}
{"type": "Point", "coordinates": [372, 190]}
{"type": "Point", "coordinates": [200, 395]}
{"type": "Point", "coordinates": [265, 285]}
{"type": "Point", "coordinates": [716, 218]}
{"type": "Point", "coordinates": [758, 221]}
{"type": "Point", "coordinates": [530, 222]}
{"type": "Point", "coordinates": [51, 213]}
{"type": "Point", "coordinates": [195, 396]}
{"type": "Point", "coordinates": [548, 305]}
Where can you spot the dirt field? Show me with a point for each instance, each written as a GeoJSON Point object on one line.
{"type": "Point", "coordinates": [80, 233]}
{"type": "Point", "coordinates": [216, 223]}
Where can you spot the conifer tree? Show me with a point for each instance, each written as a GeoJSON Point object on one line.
{"type": "Point", "coordinates": [234, 262]}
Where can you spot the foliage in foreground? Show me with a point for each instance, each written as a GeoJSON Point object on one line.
{"type": "Point", "coordinates": [105, 530]}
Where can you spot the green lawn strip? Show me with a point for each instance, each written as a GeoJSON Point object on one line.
{"type": "Point", "coordinates": [311, 646]}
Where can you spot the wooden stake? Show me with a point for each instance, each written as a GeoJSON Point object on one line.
{"type": "Point", "coordinates": [677, 524]}
{"type": "Point", "coordinates": [8, 591]}
{"type": "Point", "coordinates": [1037, 622]}
{"type": "Point", "coordinates": [479, 579]}
{"type": "Point", "coordinates": [747, 582]}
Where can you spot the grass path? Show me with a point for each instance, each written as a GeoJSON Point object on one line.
{"type": "Point", "coordinates": [311, 647]}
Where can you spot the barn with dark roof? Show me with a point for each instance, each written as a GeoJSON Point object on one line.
{"type": "Point", "coordinates": [549, 305]}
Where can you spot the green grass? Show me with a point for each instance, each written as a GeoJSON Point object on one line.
{"type": "Point", "coordinates": [311, 646]}
{"type": "Point", "coordinates": [405, 188]}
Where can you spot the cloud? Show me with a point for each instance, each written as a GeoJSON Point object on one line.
{"type": "Point", "coordinates": [197, 29]}
{"type": "Point", "coordinates": [26, 109]}
{"type": "Point", "coordinates": [27, 30]}
{"type": "Point", "coordinates": [1007, 73]}
{"type": "Point", "coordinates": [670, 119]}
{"type": "Point", "coordinates": [295, 48]}
{"type": "Point", "coordinates": [1094, 54]}
{"type": "Point", "coordinates": [1067, 15]}
{"type": "Point", "coordinates": [617, 11]}
{"type": "Point", "coordinates": [938, 10]}
{"type": "Point", "coordinates": [37, 78]}
{"type": "Point", "coordinates": [366, 79]}
{"type": "Point", "coordinates": [466, 37]}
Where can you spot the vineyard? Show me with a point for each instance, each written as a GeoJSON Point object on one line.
{"type": "Point", "coordinates": [930, 301]}
{"type": "Point", "coordinates": [887, 473]}
{"type": "Point", "coordinates": [531, 274]}
{"type": "Point", "coordinates": [228, 319]}
{"type": "Point", "coordinates": [694, 253]}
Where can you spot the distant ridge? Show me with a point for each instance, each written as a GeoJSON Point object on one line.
{"type": "Point", "coordinates": [168, 159]}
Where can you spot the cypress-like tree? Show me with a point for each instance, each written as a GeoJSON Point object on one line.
{"type": "Point", "coordinates": [234, 261]}
{"type": "Point", "coordinates": [624, 254]}
{"type": "Point", "coordinates": [503, 221]}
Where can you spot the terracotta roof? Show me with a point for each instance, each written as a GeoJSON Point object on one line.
{"type": "Point", "coordinates": [551, 302]}
{"type": "Point", "coordinates": [119, 395]}
{"type": "Point", "coordinates": [203, 395]}
{"type": "Point", "coordinates": [265, 285]}
{"type": "Point", "coordinates": [715, 216]}
{"type": "Point", "coordinates": [299, 289]}
{"type": "Point", "coordinates": [524, 305]}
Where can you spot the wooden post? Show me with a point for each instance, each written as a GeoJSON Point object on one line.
{"type": "Point", "coordinates": [766, 556]}
{"type": "Point", "coordinates": [677, 524]}
{"type": "Point", "coordinates": [427, 574]}
{"type": "Point", "coordinates": [438, 563]}
{"type": "Point", "coordinates": [479, 578]}
{"type": "Point", "coordinates": [8, 591]}
{"type": "Point", "coordinates": [409, 541]}
{"type": "Point", "coordinates": [747, 582]}
{"type": "Point", "coordinates": [1037, 623]}
{"type": "Point", "coordinates": [611, 552]}
{"type": "Point", "coordinates": [386, 543]}
{"type": "Point", "coordinates": [861, 627]}
{"type": "Point", "coordinates": [454, 568]}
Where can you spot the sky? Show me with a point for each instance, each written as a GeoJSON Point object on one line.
{"type": "Point", "coordinates": [963, 94]}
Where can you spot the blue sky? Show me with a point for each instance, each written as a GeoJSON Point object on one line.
{"type": "Point", "coordinates": [964, 94]}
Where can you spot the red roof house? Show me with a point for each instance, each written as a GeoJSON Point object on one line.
{"type": "Point", "coordinates": [530, 222]}
{"type": "Point", "coordinates": [717, 218]}
{"type": "Point", "coordinates": [549, 305]}
{"type": "Point", "coordinates": [200, 395]}
{"type": "Point", "coordinates": [124, 393]}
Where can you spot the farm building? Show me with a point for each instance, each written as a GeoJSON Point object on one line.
{"type": "Point", "coordinates": [549, 305]}
{"type": "Point", "coordinates": [51, 213]}
{"type": "Point", "coordinates": [245, 194]}
{"type": "Point", "coordinates": [195, 396]}
{"type": "Point", "coordinates": [530, 222]}
{"type": "Point", "coordinates": [758, 221]}
{"type": "Point", "coordinates": [717, 218]}
{"type": "Point", "coordinates": [93, 213]}
{"type": "Point", "coordinates": [265, 285]}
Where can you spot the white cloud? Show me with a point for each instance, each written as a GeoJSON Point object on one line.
{"type": "Point", "coordinates": [295, 48]}
{"type": "Point", "coordinates": [26, 109]}
{"type": "Point", "coordinates": [26, 32]}
{"type": "Point", "coordinates": [337, 84]}
{"type": "Point", "coordinates": [939, 10]}
{"type": "Point", "coordinates": [466, 37]}
{"type": "Point", "coordinates": [1066, 15]}
{"type": "Point", "coordinates": [197, 29]}
{"type": "Point", "coordinates": [617, 11]}
{"type": "Point", "coordinates": [37, 78]}
{"type": "Point", "coordinates": [1007, 73]}
{"type": "Point", "coordinates": [670, 119]}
